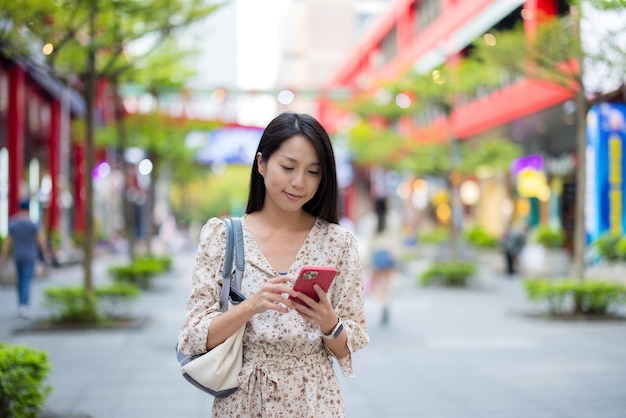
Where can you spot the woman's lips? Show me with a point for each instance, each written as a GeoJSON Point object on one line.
{"type": "Point", "coordinates": [293, 196]}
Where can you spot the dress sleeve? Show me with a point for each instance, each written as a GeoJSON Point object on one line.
{"type": "Point", "coordinates": [347, 301]}
{"type": "Point", "coordinates": [204, 301]}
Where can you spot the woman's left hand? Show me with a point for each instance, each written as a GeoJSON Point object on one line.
{"type": "Point", "coordinates": [321, 313]}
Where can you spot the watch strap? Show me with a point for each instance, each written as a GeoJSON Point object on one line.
{"type": "Point", "coordinates": [335, 332]}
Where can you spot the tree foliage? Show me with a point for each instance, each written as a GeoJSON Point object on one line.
{"type": "Point", "coordinates": [87, 41]}
{"type": "Point", "coordinates": [495, 153]}
{"type": "Point", "coordinates": [30, 24]}
{"type": "Point", "coordinates": [582, 59]}
{"type": "Point", "coordinates": [447, 85]}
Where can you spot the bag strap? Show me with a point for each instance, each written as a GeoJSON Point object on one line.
{"type": "Point", "coordinates": [234, 245]}
{"type": "Point", "coordinates": [239, 261]}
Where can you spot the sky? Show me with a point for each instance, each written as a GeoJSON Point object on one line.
{"type": "Point", "coordinates": [259, 42]}
{"type": "Point", "coordinates": [258, 53]}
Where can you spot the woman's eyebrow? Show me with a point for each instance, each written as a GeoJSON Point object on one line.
{"type": "Point", "coordinates": [293, 160]}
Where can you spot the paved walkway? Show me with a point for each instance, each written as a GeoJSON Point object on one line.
{"type": "Point", "coordinates": [448, 353]}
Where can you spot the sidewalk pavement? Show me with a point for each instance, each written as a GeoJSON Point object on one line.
{"type": "Point", "coordinates": [447, 353]}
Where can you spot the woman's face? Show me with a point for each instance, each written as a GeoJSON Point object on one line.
{"type": "Point", "coordinates": [292, 174]}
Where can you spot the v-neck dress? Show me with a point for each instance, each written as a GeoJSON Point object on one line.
{"type": "Point", "coordinates": [287, 369]}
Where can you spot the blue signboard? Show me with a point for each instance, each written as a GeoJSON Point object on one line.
{"type": "Point", "coordinates": [230, 145]}
{"type": "Point", "coordinates": [605, 161]}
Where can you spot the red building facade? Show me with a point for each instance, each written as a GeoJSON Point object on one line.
{"type": "Point", "coordinates": [36, 152]}
{"type": "Point", "coordinates": [423, 34]}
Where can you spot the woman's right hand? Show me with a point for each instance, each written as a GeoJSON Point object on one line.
{"type": "Point", "coordinates": [274, 295]}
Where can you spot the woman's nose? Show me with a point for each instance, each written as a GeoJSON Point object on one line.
{"type": "Point", "coordinates": [298, 180]}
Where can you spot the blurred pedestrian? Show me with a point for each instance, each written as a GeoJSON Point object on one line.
{"type": "Point", "coordinates": [291, 220]}
{"type": "Point", "coordinates": [28, 240]}
{"type": "Point", "coordinates": [383, 258]}
{"type": "Point", "coordinates": [513, 242]}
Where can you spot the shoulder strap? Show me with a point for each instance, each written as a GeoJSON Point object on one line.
{"type": "Point", "coordinates": [234, 246]}
{"type": "Point", "coordinates": [239, 261]}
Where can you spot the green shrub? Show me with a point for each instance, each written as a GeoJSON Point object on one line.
{"type": "Point", "coordinates": [448, 273]}
{"type": "Point", "coordinates": [597, 297]}
{"type": "Point", "coordinates": [433, 236]}
{"type": "Point", "coordinates": [478, 237]}
{"type": "Point", "coordinates": [555, 293]}
{"type": "Point", "coordinates": [78, 238]}
{"type": "Point", "coordinates": [548, 237]}
{"type": "Point", "coordinates": [594, 296]}
{"type": "Point", "coordinates": [72, 305]}
{"type": "Point", "coordinates": [620, 249]}
{"type": "Point", "coordinates": [166, 262]}
{"type": "Point", "coordinates": [140, 272]}
{"type": "Point", "coordinates": [115, 300]}
{"type": "Point", "coordinates": [611, 247]}
{"type": "Point", "coordinates": [22, 374]}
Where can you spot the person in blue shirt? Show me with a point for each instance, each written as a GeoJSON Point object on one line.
{"type": "Point", "coordinates": [27, 239]}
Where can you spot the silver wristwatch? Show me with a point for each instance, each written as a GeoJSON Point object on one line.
{"type": "Point", "coordinates": [334, 333]}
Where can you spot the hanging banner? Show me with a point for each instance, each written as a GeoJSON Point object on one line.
{"type": "Point", "coordinates": [532, 162]}
{"type": "Point", "coordinates": [605, 161]}
{"type": "Point", "coordinates": [228, 145]}
{"type": "Point", "coordinates": [531, 183]}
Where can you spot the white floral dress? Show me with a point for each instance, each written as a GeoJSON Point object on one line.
{"type": "Point", "coordinates": [287, 369]}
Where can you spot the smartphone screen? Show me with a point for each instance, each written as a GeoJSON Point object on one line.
{"type": "Point", "coordinates": [311, 275]}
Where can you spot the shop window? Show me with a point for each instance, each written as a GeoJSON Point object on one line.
{"type": "Point", "coordinates": [426, 12]}
{"type": "Point", "coordinates": [33, 188]}
{"type": "Point", "coordinates": [389, 45]}
{"type": "Point", "coordinates": [33, 114]}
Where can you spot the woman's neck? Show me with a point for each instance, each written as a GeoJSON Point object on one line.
{"type": "Point", "coordinates": [287, 221]}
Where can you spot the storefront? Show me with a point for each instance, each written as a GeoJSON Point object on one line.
{"type": "Point", "coordinates": [35, 116]}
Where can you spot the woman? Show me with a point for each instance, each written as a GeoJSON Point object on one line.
{"type": "Point", "coordinates": [291, 221]}
{"type": "Point", "coordinates": [383, 258]}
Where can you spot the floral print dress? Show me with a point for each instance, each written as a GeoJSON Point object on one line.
{"type": "Point", "coordinates": [287, 369]}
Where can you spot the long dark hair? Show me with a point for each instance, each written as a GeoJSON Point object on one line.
{"type": "Point", "coordinates": [284, 126]}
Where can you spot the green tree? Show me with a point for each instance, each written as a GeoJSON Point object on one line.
{"type": "Point", "coordinates": [436, 94]}
{"type": "Point", "coordinates": [162, 70]}
{"type": "Point", "coordinates": [90, 40]}
{"type": "Point", "coordinates": [163, 140]}
{"type": "Point", "coordinates": [495, 153]}
{"type": "Point", "coordinates": [556, 53]}
{"type": "Point", "coordinates": [439, 92]}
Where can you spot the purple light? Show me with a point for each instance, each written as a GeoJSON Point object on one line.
{"type": "Point", "coordinates": [533, 162]}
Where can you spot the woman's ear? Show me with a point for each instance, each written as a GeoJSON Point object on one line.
{"type": "Point", "coordinates": [261, 163]}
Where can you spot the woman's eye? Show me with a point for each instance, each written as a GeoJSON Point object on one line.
{"type": "Point", "coordinates": [286, 168]}
{"type": "Point", "coordinates": [315, 173]}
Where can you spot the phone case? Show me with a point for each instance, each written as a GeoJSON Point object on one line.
{"type": "Point", "coordinates": [310, 275]}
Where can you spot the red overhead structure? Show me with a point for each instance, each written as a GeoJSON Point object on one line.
{"type": "Point", "coordinates": [425, 33]}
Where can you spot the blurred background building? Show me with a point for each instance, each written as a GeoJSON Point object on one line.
{"type": "Point", "coordinates": [540, 117]}
{"type": "Point", "coordinates": [255, 59]}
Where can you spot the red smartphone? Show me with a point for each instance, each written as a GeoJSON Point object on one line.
{"type": "Point", "coordinates": [310, 275]}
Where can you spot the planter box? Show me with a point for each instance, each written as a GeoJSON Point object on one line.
{"type": "Point", "coordinates": [539, 261]}
{"type": "Point", "coordinates": [607, 271]}
{"type": "Point", "coordinates": [488, 258]}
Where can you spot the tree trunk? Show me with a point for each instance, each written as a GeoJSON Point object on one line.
{"type": "Point", "coordinates": [580, 241]}
{"type": "Point", "coordinates": [453, 182]}
{"type": "Point", "coordinates": [129, 229]}
{"type": "Point", "coordinates": [582, 106]}
{"type": "Point", "coordinates": [151, 203]}
{"type": "Point", "coordinates": [90, 92]}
